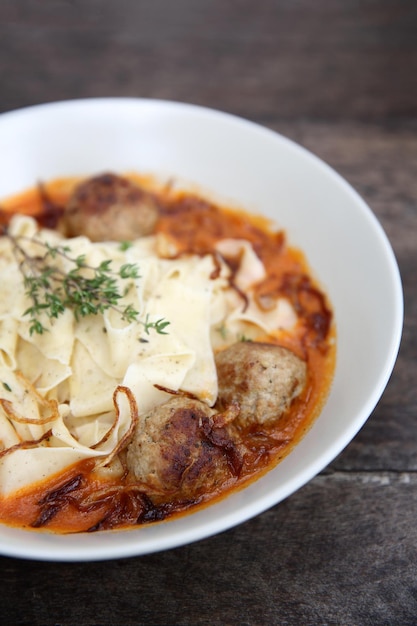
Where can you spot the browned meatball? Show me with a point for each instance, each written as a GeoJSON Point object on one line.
{"type": "Point", "coordinates": [180, 453]}
{"type": "Point", "coordinates": [109, 207]}
{"type": "Point", "coordinates": [262, 378]}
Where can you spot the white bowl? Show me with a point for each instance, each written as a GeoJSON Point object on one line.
{"type": "Point", "coordinates": [261, 171]}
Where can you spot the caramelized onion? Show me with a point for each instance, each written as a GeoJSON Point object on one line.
{"type": "Point", "coordinates": [7, 407]}
{"type": "Point", "coordinates": [23, 445]}
{"type": "Point", "coordinates": [85, 499]}
{"type": "Point", "coordinates": [52, 405]}
{"type": "Point", "coordinates": [134, 416]}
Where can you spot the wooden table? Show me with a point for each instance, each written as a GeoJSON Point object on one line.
{"type": "Point", "coordinates": [341, 79]}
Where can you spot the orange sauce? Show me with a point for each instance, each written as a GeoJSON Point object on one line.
{"type": "Point", "coordinates": [195, 224]}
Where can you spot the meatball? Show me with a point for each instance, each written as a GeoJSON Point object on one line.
{"type": "Point", "coordinates": [180, 453]}
{"type": "Point", "coordinates": [262, 378]}
{"type": "Point", "coordinates": [109, 207]}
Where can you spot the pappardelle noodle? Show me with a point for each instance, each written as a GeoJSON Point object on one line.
{"type": "Point", "coordinates": [157, 351]}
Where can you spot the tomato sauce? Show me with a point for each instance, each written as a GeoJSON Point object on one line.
{"type": "Point", "coordinates": [78, 499]}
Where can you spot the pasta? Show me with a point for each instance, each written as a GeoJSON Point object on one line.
{"type": "Point", "coordinates": [75, 392]}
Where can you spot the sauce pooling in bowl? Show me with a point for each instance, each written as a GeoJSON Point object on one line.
{"type": "Point", "coordinates": [165, 351]}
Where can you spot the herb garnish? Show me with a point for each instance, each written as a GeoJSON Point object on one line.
{"type": "Point", "coordinates": [125, 245]}
{"type": "Point", "coordinates": [85, 289]}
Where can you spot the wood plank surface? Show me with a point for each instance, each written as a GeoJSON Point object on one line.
{"type": "Point", "coordinates": [339, 77]}
{"type": "Point", "coordinates": [317, 558]}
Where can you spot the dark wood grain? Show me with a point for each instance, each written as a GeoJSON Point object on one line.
{"type": "Point", "coordinates": [354, 58]}
{"type": "Point", "coordinates": [317, 558]}
{"type": "Point", "coordinates": [340, 78]}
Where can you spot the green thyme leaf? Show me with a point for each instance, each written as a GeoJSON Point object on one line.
{"type": "Point", "coordinates": [84, 289]}
{"type": "Point", "coordinates": [125, 245]}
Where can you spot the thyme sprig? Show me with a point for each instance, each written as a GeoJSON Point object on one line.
{"type": "Point", "coordinates": [84, 288]}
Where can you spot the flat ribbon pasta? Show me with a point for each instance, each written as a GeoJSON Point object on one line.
{"type": "Point", "coordinates": [96, 375]}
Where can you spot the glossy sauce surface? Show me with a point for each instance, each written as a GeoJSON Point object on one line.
{"type": "Point", "coordinates": [78, 499]}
